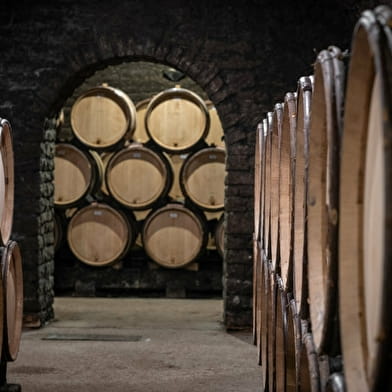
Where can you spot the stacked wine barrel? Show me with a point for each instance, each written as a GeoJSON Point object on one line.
{"type": "Point", "coordinates": [11, 286]}
{"type": "Point", "coordinates": [150, 176]}
{"type": "Point", "coordinates": [322, 229]}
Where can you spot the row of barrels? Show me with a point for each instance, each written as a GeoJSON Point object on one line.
{"type": "Point", "coordinates": [322, 229]}
{"type": "Point", "coordinates": [11, 275]}
{"type": "Point", "coordinates": [175, 120]}
{"type": "Point", "coordinates": [173, 235]}
{"type": "Point", "coordinates": [139, 177]}
{"type": "Point", "coordinates": [155, 187]}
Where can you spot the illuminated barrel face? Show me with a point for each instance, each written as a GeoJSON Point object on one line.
{"type": "Point", "coordinates": [173, 236]}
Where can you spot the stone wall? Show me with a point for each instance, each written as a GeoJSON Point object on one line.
{"type": "Point", "coordinates": [245, 56]}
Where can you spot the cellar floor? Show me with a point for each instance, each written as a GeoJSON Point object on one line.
{"type": "Point", "coordinates": [136, 345]}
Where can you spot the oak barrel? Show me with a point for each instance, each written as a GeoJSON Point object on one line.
{"type": "Point", "coordinates": [177, 119]}
{"type": "Point", "coordinates": [262, 182]}
{"type": "Point", "coordinates": [12, 275]}
{"type": "Point", "coordinates": [281, 348]}
{"type": "Point", "coordinates": [304, 96]}
{"type": "Point", "coordinates": [77, 174]}
{"type": "Point", "coordinates": [137, 177]}
{"type": "Point", "coordinates": [6, 181]}
{"type": "Point", "coordinates": [202, 178]}
{"type": "Point", "coordinates": [274, 188]}
{"type": "Point", "coordinates": [173, 236]}
{"type": "Point", "coordinates": [102, 116]}
{"type": "Point", "coordinates": [264, 323]}
{"type": "Point", "coordinates": [293, 345]}
{"type": "Point", "coordinates": [258, 167]}
{"type": "Point", "coordinates": [365, 231]}
{"type": "Point", "coordinates": [215, 135]}
{"type": "Point", "coordinates": [309, 374]}
{"type": "Point", "coordinates": [99, 235]}
{"type": "Point", "coordinates": [267, 188]}
{"type": "Point", "coordinates": [271, 303]}
{"type": "Point", "coordinates": [286, 189]}
{"type": "Point", "coordinates": [323, 198]}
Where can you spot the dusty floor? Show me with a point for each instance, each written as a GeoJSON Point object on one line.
{"type": "Point", "coordinates": [179, 346]}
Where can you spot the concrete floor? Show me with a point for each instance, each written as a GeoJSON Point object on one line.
{"type": "Point", "coordinates": [182, 347]}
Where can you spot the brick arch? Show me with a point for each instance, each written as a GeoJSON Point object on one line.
{"type": "Point", "coordinates": [82, 64]}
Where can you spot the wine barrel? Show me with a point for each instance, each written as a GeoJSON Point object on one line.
{"type": "Point", "coordinates": [293, 347]}
{"type": "Point", "coordinates": [304, 96]}
{"type": "Point", "coordinates": [137, 177]}
{"type": "Point", "coordinates": [323, 198]}
{"type": "Point", "coordinates": [264, 324]}
{"type": "Point", "coordinates": [99, 235]}
{"type": "Point", "coordinates": [77, 174]}
{"type": "Point", "coordinates": [258, 167]}
{"type": "Point", "coordinates": [267, 187]}
{"type": "Point", "coordinates": [286, 189]}
{"type": "Point", "coordinates": [309, 375]}
{"type": "Point", "coordinates": [256, 294]}
{"type": "Point", "coordinates": [6, 181]}
{"type": "Point", "coordinates": [274, 189]}
{"type": "Point", "coordinates": [262, 182]}
{"type": "Point", "coordinates": [215, 135]}
{"type": "Point", "coordinates": [281, 337]}
{"type": "Point", "coordinates": [12, 275]}
{"type": "Point", "coordinates": [219, 235]}
{"type": "Point", "coordinates": [140, 135]}
{"type": "Point", "coordinates": [271, 328]}
{"type": "Point", "coordinates": [365, 230]}
{"type": "Point", "coordinates": [177, 119]}
{"type": "Point", "coordinates": [173, 236]}
{"type": "Point", "coordinates": [102, 116]}
{"type": "Point", "coordinates": [202, 178]}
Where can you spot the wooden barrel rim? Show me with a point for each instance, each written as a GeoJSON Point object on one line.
{"type": "Point", "coordinates": [265, 314]}
{"type": "Point", "coordinates": [174, 208]}
{"type": "Point", "coordinates": [293, 345]}
{"type": "Point", "coordinates": [336, 383]}
{"type": "Point", "coordinates": [286, 189]}
{"type": "Point", "coordinates": [91, 172]}
{"type": "Point", "coordinates": [177, 93]}
{"type": "Point", "coordinates": [366, 321]}
{"type": "Point", "coordinates": [323, 200]}
{"type": "Point", "coordinates": [262, 181]}
{"type": "Point", "coordinates": [255, 277]}
{"type": "Point", "coordinates": [257, 180]}
{"type": "Point", "coordinates": [281, 336]}
{"type": "Point", "coordinates": [122, 100]}
{"type": "Point", "coordinates": [274, 189]}
{"type": "Point", "coordinates": [304, 95]}
{"type": "Point", "coordinates": [309, 375]}
{"type": "Point", "coordinates": [191, 164]}
{"type": "Point", "coordinates": [267, 195]}
{"type": "Point", "coordinates": [124, 220]}
{"type": "Point", "coordinates": [271, 329]}
{"type": "Point", "coordinates": [11, 261]}
{"type": "Point", "coordinates": [137, 151]}
{"type": "Point", "coordinates": [7, 155]}
{"type": "Point", "coordinates": [219, 235]}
